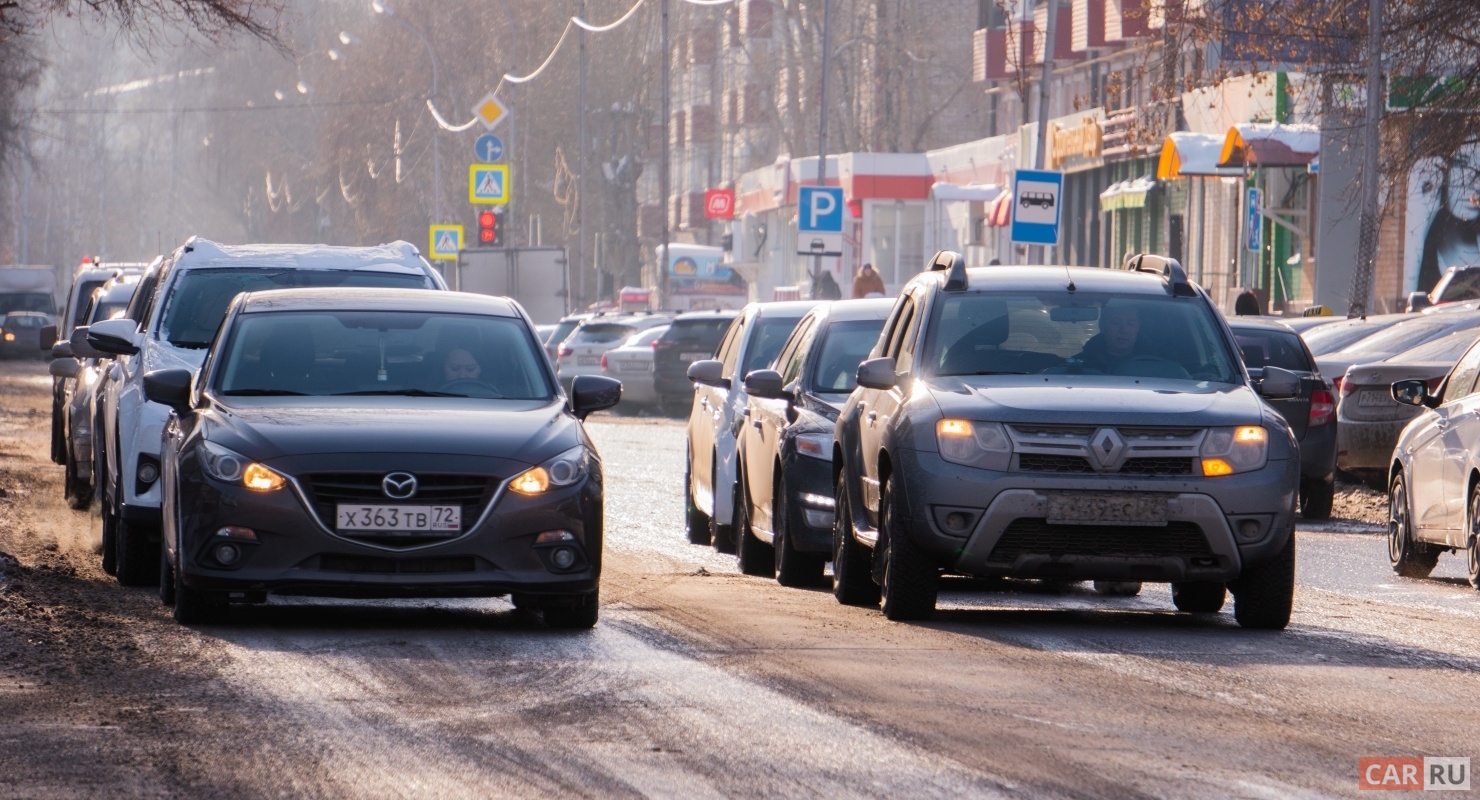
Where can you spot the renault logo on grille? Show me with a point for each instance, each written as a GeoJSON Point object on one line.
{"type": "Point", "coordinates": [398, 485]}
{"type": "Point", "coordinates": [1107, 448]}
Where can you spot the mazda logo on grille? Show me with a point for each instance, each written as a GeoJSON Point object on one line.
{"type": "Point", "coordinates": [398, 485]}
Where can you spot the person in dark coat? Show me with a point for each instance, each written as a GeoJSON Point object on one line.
{"type": "Point", "coordinates": [1247, 304]}
{"type": "Point", "coordinates": [825, 287]}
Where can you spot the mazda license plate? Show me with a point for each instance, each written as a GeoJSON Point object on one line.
{"type": "Point", "coordinates": [1107, 508]}
{"type": "Point", "coordinates": [399, 518]}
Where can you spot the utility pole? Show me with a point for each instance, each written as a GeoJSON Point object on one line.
{"type": "Point", "coordinates": [581, 169]}
{"type": "Point", "coordinates": [1040, 154]}
{"type": "Point", "coordinates": [663, 176]}
{"type": "Point", "coordinates": [822, 116]}
{"type": "Point", "coordinates": [1372, 135]}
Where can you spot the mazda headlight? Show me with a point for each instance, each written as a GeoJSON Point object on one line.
{"type": "Point", "coordinates": [974, 444]}
{"type": "Point", "coordinates": [562, 470]}
{"type": "Point", "coordinates": [1226, 451]}
{"type": "Point", "coordinates": [816, 445]}
{"type": "Point", "coordinates": [228, 466]}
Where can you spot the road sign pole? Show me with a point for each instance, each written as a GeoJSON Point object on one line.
{"type": "Point", "coordinates": [822, 119]}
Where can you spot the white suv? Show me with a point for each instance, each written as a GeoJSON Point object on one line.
{"type": "Point", "coordinates": [581, 352]}
{"type": "Point", "coordinates": [174, 328]}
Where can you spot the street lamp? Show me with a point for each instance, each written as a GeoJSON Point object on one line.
{"type": "Point", "coordinates": [381, 8]}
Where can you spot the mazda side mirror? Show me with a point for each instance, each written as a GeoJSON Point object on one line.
{"type": "Point", "coordinates": [767, 384]}
{"type": "Point", "coordinates": [1414, 392]}
{"type": "Point", "coordinates": [48, 337]}
{"type": "Point", "coordinates": [1279, 384]}
{"type": "Point", "coordinates": [61, 350]}
{"type": "Point", "coordinates": [65, 367]}
{"type": "Point", "coordinates": [118, 337]}
{"type": "Point", "coordinates": [589, 393]}
{"type": "Point", "coordinates": [709, 372]}
{"type": "Point", "coordinates": [169, 387]}
{"type": "Point", "coordinates": [877, 373]}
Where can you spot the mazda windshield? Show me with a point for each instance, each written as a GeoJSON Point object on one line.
{"type": "Point", "coordinates": [407, 353]}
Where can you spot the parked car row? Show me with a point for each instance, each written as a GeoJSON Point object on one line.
{"type": "Point", "coordinates": [327, 420]}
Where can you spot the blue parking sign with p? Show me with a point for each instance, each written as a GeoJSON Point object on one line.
{"type": "Point", "coordinates": [820, 209]}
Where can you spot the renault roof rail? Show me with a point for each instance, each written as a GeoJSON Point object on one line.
{"type": "Point", "coordinates": [954, 265]}
{"type": "Point", "coordinates": [1168, 268]}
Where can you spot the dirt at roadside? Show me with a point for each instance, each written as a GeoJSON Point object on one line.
{"type": "Point", "coordinates": [88, 667]}
{"type": "Point", "coordinates": [1355, 502]}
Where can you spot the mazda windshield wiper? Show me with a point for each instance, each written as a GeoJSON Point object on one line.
{"type": "Point", "coordinates": [264, 393]}
{"type": "Point", "coordinates": [400, 392]}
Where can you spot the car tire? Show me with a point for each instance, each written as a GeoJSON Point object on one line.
{"type": "Point", "coordinates": [1409, 559]}
{"type": "Point", "coordinates": [911, 580]}
{"type": "Point", "coordinates": [1472, 547]}
{"type": "Point", "coordinates": [853, 583]}
{"type": "Point", "coordinates": [793, 567]}
{"type": "Point", "coordinates": [110, 540]}
{"type": "Point", "coordinates": [1118, 588]}
{"type": "Point", "coordinates": [195, 606]}
{"type": "Point", "coordinates": [58, 435]}
{"type": "Point", "coordinates": [1199, 597]}
{"type": "Point", "coordinates": [79, 493]}
{"type": "Point", "coordinates": [166, 580]}
{"type": "Point", "coordinates": [1316, 496]}
{"type": "Point", "coordinates": [138, 558]}
{"type": "Point", "coordinates": [755, 556]}
{"type": "Point", "coordinates": [723, 535]}
{"type": "Point", "coordinates": [696, 522]}
{"type": "Point", "coordinates": [581, 616]}
{"type": "Point", "coordinates": [1264, 595]}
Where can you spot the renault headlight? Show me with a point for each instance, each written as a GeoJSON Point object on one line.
{"type": "Point", "coordinates": [974, 444]}
{"type": "Point", "coordinates": [562, 470]}
{"type": "Point", "coordinates": [1226, 451]}
{"type": "Point", "coordinates": [229, 466]}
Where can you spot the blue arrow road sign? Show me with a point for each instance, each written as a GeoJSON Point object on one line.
{"type": "Point", "coordinates": [489, 148]}
{"type": "Point", "coordinates": [1254, 228]}
{"type": "Point", "coordinates": [1035, 209]}
{"type": "Point", "coordinates": [820, 209]}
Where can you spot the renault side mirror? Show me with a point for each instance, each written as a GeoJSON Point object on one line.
{"type": "Point", "coordinates": [1279, 384]}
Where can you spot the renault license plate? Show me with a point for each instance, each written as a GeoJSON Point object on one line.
{"type": "Point", "coordinates": [1107, 508]}
{"type": "Point", "coordinates": [399, 518]}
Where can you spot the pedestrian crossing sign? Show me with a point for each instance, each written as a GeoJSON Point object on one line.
{"type": "Point", "coordinates": [488, 184]}
{"type": "Point", "coordinates": [446, 241]}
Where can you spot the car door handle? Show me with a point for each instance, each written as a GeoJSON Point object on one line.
{"type": "Point", "coordinates": [704, 402]}
{"type": "Point", "coordinates": [745, 413]}
{"type": "Point", "coordinates": [873, 417]}
{"type": "Point", "coordinates": [755, 423]}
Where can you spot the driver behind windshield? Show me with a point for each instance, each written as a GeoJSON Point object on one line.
{"type": "Point", "coordinates": [1115, 344]}
{"type": "Point", "coordinates": [459, 365]}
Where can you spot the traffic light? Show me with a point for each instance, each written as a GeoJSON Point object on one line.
{"type": "Point", "coordinates": [489, 234]}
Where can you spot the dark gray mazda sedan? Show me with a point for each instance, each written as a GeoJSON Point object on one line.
{"type": "Point", "coordinates": [375, 443]}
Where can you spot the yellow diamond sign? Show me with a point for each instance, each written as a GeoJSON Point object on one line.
{"type": "Point", "coordinates": [490, 111]}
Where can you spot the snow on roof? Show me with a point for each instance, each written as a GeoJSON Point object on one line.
{"type": "Point", "coordinates": [396, 256]}
{"type": "Point", "coordinates": [1184, 153]}
{"type": "Point", "coordinates": [978, 192]}
{"type": "Point", "coordinates": [1270, 144]}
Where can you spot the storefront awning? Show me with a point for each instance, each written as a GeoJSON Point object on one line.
{"type": "Point", "coordinates": [999, 213]}
{"type": "Point", "coordinates": [1126, 194]}
{"type": "Point", "coordinates": [1185, 154]}
{"type": "Point", "coordinates": [1258, 144]}
{"type": "Point", "coordinates": [971, 192]}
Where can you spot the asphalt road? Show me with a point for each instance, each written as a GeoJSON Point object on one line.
{"type": "Point", "coordinates": [700, 682]}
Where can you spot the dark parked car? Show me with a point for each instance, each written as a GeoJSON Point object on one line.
{"type": "Point", "coordinates": [1457, 285]}
{"type": "Point", "coordinates": [1064, 423]}
{"type": "Point", "coordinates": [691, 337]}
{"type": "Point", "coordinates": [1311, 413]}
{"type": "Point", "coordinates": [379, 443]}
{"type": "Point", "coordinates": [20, 334]}
{"type": "Point", "coordinates": [786, 449]}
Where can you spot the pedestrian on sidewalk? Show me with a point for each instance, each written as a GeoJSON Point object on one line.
{"type": "Point", "coordinates": [867, 283]}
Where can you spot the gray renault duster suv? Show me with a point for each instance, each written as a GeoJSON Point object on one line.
{"type": "Point", "coordinates": [1064, 423]}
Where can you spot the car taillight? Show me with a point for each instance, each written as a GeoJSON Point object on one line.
{"type": "Point", "coordinates": [565, 351]}
{"type": "Point", "coordinates": [1341, 387]}
{"type": "Point", "coordinates": [603, 363]}
{"type": "Point", "coordinates": [1322, 408]}
{"type": "Point", "coordinates": [661, 344]}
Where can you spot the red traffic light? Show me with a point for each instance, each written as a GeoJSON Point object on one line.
{"type": "Point", "coordinates": [488, 233]}
{"type": "Point", "coordinates": [487, 219]}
